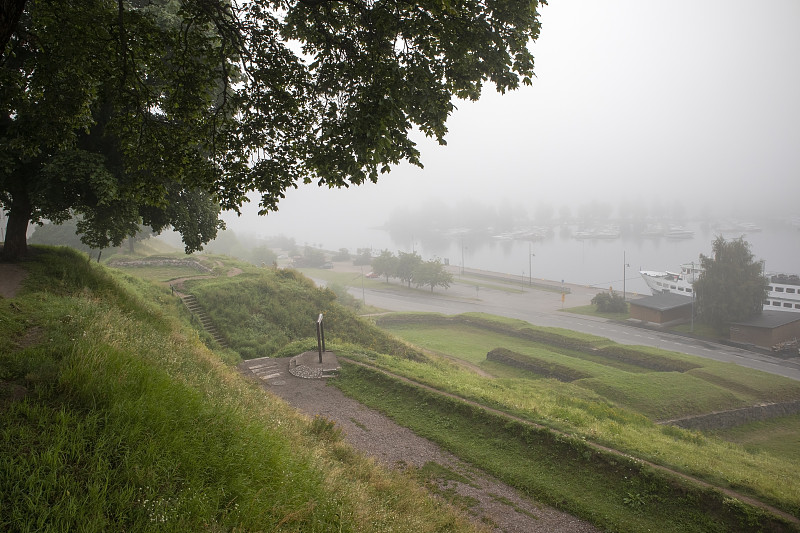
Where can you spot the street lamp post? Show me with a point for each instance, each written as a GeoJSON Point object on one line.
{"type": "Point", "coordinates": [530, 264]}
{"type": "Point", "coordinates": [462, 257]}
{"type": "Point", "coordinates": [691, 330]}
{"type": "Point", "coordinates": [625, 266]}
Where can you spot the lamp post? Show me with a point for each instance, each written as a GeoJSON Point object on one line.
{"type": "Point", "coordinates": [691, 329]}
{"type": "Point", "coordinates": [530, 264]}
{"type": "Point", "coordinates": [625, 266]}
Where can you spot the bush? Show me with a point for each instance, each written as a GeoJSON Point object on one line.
{"type": "Point", "coordinates": [610, 303]}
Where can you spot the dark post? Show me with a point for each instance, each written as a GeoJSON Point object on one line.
{"type": "Point", "coordinates": [320, 337]}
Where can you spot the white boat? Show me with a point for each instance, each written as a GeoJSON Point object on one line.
{"type": "Point", "coordinates": [674, 282]}
{"type": "Point", "coordinates": [678, 232]}
{"type": "Point", "coordinates": [783, 293]}
{"type": "Point", "coordinates": [607, 232]}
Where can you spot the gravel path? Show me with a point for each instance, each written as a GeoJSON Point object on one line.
{"type": "Point", "coordinates": [397, 447]}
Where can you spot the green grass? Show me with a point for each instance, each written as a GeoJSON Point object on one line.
{"type": "Point", "coordinates": [263, 310]}
{"type": "Point", "coordinates": [348, 279]}
{"type": "Point", "coordinates": [779, 437]}
{"type": "Point", "coordinates": [657, 383]}
{"type": "Point", "coordinates": [164, 273]}
{"type": "Point", "coordinates": [613, 492]}
{"type": "Point", "coordinates": [664, 395]}
{"type": "Point", "coordinates": [593, 415]}
{"type": "Point", "coordinates": [115, 417]}
{"type": "Point", "coordinates": [89, 347]}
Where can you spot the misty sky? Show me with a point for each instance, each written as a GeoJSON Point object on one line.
{"type": "Point", "coordinates": [685, 102]}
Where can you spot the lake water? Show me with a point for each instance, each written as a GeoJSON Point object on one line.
{"type": "Point", "coordinates": [599, 263]}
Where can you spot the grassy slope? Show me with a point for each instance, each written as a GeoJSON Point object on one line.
{"type": "Point", "coordinates": [614, 492]}
{"type": "Point", "coordinates": [704, 386]}
{"type": "Point", "coordinates": [116, 417]}
{"type": "Point", "coordinates": [578, 410]}
{"type": "Point", "coordinates": [262, 310]}
{"type": "Point", "coordinates": [779, 437]}
{"type": "Point", "coordinates": [586, 412]}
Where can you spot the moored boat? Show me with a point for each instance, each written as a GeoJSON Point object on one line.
{"type": "Point", "coordinates": [678, 232]}
{"type": "Point", "coordinates": [783, 293]}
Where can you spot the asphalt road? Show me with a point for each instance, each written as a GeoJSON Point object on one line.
{"type": "Point", "coordinates": [544, 308]}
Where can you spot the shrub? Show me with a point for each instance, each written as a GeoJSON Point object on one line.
{"type": "Point", "coordinates": [610, 302]}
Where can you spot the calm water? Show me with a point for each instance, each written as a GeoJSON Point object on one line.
{"type": "Point", "coordinates": [600, 263]}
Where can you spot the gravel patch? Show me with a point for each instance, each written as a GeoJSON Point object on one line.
{"type": "Point", "coordinates": [498, 505]}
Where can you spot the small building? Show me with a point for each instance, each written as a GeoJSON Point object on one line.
{"type": "Point", "coordinates": [662, 309]}
{"type": "Point", "coordinates": [767, 329]}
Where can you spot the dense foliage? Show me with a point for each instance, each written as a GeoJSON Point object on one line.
{"type": "Point", "coordinates": [610, 302]}
{"type": "Point", "coordinates": [164, 112]}
{"type": "Point", "coordinates": [732, 285]}
{"type": "Point", "coordinates": [410, 268]}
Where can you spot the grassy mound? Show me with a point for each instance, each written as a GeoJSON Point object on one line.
{"type": "Point", "coordinates": [262, 310]}
{"type": "Point", "coordinates": [116, 417]}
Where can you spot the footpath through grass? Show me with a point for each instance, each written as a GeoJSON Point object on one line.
{"type": "Point", "coordinates": [273, 311]}
{"type": "Point", "coordinates": [116, 417]}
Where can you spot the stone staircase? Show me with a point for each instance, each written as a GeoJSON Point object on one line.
{"type": "Point", "coordinates": [198, 312]}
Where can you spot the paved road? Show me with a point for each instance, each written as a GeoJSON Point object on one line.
{"type": "Point", "coordinates": [543, 308]}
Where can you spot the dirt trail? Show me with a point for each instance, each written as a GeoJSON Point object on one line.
{"type": "Point", "coordinates": [11, 277]}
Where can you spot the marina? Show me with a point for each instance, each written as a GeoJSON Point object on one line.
{"type": "Point", "coordinates": [553, 253]}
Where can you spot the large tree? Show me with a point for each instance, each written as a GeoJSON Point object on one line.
{"type": "Point", "coordinates": [385, 265]}
{"type": "Point", "coordinates": [130, 112]}
{"type": "Point", "coordinates": [405, 266]}
{"type": "Point", "coordinates": [432, 274]}
{"type": "Point", "coordinates": [732, 285]}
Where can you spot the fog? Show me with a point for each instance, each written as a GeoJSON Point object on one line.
{"type": "Point", "coordinates": [683, 108]}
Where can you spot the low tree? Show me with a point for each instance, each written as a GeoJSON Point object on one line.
{"type": "Point", "coordinates": [732, 286]}
{"type": "Point", "coordinates": [432, 274]}
{"type": "Point", "coordinates": [406, 264]}
{"type": "Point", "coordinates": [385, 265]}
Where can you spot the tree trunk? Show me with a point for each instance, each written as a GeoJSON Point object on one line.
{"type": "Point", "coordinates": [16, 243]}
{"type": "Point", "coordinates": [10, 12]}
